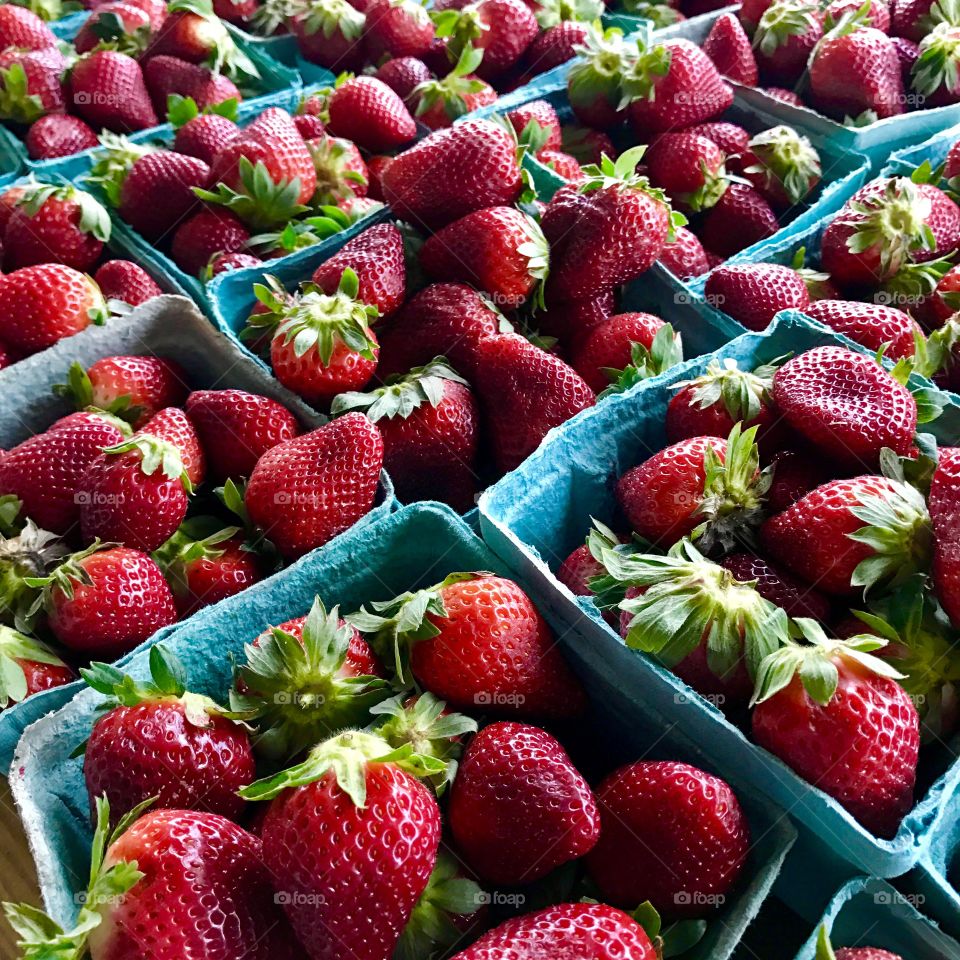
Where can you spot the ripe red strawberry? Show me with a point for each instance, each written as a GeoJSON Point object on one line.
{"type": "Point", "coordinates": [595, 81]}
{"type": "Point", "coordinates": [166, 77]}
{"type": "Point", "coordinates": [664, 812]}
{"type": "Point", "coordinates": [673, 85]}
{"type": "Point", "coordinates": [172, 426]}
{"type": "Point", "coordinates": [42, 304]}
{"type": "Point", "coordinates": [731, 138]}
{"type": "Point", "coordinates": [192, 32]}
{"type": "Point", "coordinates": [524, 393]}
{"type": "Point", "coordinates": [348, 897]}
{"type": "Point", "coordinates": [59, 135]}
{"type": "Point", "coordinates": [846, 405]}
{"type": "Point", "coordinates": [825, 950]}
{"type": "Point", "coordinates": [396, 28]}
{"type": "Point", "coordinates": [783, 165]}
{"type": "Point", "coordinates": [501, 29]}
{"type": "Point", "coordinates": [29, 667]}
{"type": "Point", "coordinates": [572, 320]}
{"type": "Point", "coordinates": [20, 27]}
{"type": "Point", "coordinates": [837, 716]}
{"type": "Point", "coordinates": [440, 102]}
{"type": "Point", "coordinates": [156, 740]}
{"type": "Point", "coordinates": [309, 126]}
{"type": "Point", "coordinates": [107, 89]}
{"type": "Point", "coordinates": [795, 474]}
{"type": "Point", "coordinates": [340, 169]}
{"type": "Point", "coordinates": [856, 73]}
{"type": "Point", "coordinates": [753, 294]}
{"type": "Point", "coordinates": [204, 136]}
{"type": "Point", "coordinates": [581, 566]}
{"type": "Point", "coordinates": [562, 164]}
{"type": "Point", "coordinates": [442, 320]}
{"type": "Point", "coordinates": [104, 601]}
{"type": "Point", "coordinates": [740, 218]}
{"type": "Point", "coordinates": [786, 35]}
{"type": "Point", "coordinates": [940, 306]}
{"type": "Point", "coordinates": [59, 224]}
{"type": "Point", "coordinates": [126, 282]}
{"type": "Point", "coordinates": [115, 22]}
{"type": "Point", "coordinates": [728, 46]}
{"type": "Point", "coordinates": [944, 514]}
{"type": "Point", "coordinates": [236, 428]}
{"type": "Point", "coordinates": [491, 648]}
{"type": "Point", "coordinates": [907, 54]}
{"type": "Point", "coordinates": [30, 84]}
{"type": "Point", "coordinates": [239, 12]}
{"type": "Point", "coordinates": [546, 123]}
{"type": "Point", "coordinates": [689, 167]}
{"type": "Point", "coordinates": [366, 111]}
{"type": "Point", "coordinates": [796, 598]}
{"type": "Point", "coordinates": [518, 807]}
{"type": "Point", "coordinates": [849, 534]}
{"type": "Point", "coordinates": [305, 491]}
{"type": "Point", "coordinates": [872, 324]}
{"type": "Point", "coordinates": [453, 172]}
{"type": "Point", "coordinates": [877, 16]}
{"type": "Point", "coordinates": [683, 256]}
{"type": "Point", "coordinates": [403, 75]}
{"type": "Point", "coordinates": [223, 262]}
{"type": "Point", "coordinates": [330, 34]}
{"type": "Point", "coordinates": [555, 46]}
{"type": "Point", "coordinates": [204, 235]}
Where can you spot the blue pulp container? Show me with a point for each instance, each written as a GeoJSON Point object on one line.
{"type": "Point", "coordinates": [537, 515]}
{"type": "Point", "coordinates": [11, 157]}
{"type": "Point", "coordinates": [168, 327]}
{"type": "Point", "coordinates": [412, 548]}
{"type": "Point", "coordinates": [904, 162]}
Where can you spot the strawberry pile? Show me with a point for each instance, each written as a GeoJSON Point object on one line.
{"type": "Point", "coordinates": [791, 556]}
{"type": "Point", "coordinates": [115, 517]}
{"type": "Point", "coordinates": [130, 60]}
{"type": "Point", "coordinates": [396, 825]}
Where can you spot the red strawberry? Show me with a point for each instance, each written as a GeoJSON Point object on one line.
{"type": "Point", "coordinates": [849, 534]}
{"type": "Point", "coordinates": [683, 256]}
{"type": "Point", "coordinates": [20, 27]}
{"type": "Point", "coordinates": [794, 474]}
{"type": "Point", "coordinates": [942, 303]}
{"type": "Point", "coordinates": [518, 806]}
{"type": "Point", "coordinates": [911, 18]}
{"type": "Point", "coordinates": [204, 235]}
{"type": "Point", "coordinates": [107, 89]}
{"type": "Point", "coordinates": [204, 136]}
{"type": "Point", "coordinates": [846, 405]}
{"type": "Point", "coordinates": [689, 167]}
{"type": "Point", "coordinates": [30, 83]}
{"type": "Point", "coordinates": [601, 931]}
{"type": "Point", "coordinates": [167, 77]}
{"type": "Point", "coordinates": [116, 22]}
{"type": "Point", "coordinates": [595, 81]}
{"type": "Point", "coordinates": [127, 282]}
{"type": "Point", "coordinates": [357, 898]}
{"type": "Point", "coordinates": [396, 28]}
{"type": "Point", "coordinates": [501, 29]}
{"type": "Point", "coordinates": [453, 172]}
{"type": "Point", "coordinates": [330, 33]}
{"type": "Point", "coordinates": [546, 123]}
{"type": "Point", "coordinates": [309, 126]}
{"type": "Point", "coordinates": [728, 46]}
{"type": "Point", "coordinates": [339, 168]}
{"type": "Point", "coordinates": [192, 32]}
{"type": "Point", "coordinates": [782, 165]}
{"type": "Point", "coordinates": [42, 304]}
{"type": "Point", "coordinates": [943, 512]}
{"type": "Point", "coordinates": [656, 813]}
{"type": "Point", "coordinates": [784, 96]}
{"type": "Point", "coordinates": [491, 647]}
{"type": "Point", "coordinates": [877, 16]}
{"type": "Point", "coordinates": [305, 491]}
{"type": "Point", "coordinates": [368, 112]}
{"type": "Point", "coordinates": [172, 426]}
{"type": "Point", "coordinates": [825, 950]}
{"type": "Point", "coordinates": [58, 224]}
{"type": "Point", "coordinates": [839, 719]}
{"type": "Point", "coordinates": [239, 12]}
{"type": "Point", "coordinates": [785, 36]}
{"type": "Point", "coordinates": [740, 218]}
{"type": "Point", "coordinates": [59, 135]}
{"type": "Point", "coordinates": [236, 428]}
{"type": "Point", "coordinates": [524, 393]}
{"type": "Point", "coordinates": [753, 294]}
{"type": "Point", "coordinates": [572, 320]}
{"type": "Point", "coordinates": [562, 164]}
{"type": "Point", "coordinates": [729, 137]}
{"type": "Point", "coordinates": [158, 741]}
{"type": "Point", "coordinates": [223, 262]}
{"type": "Point", "coordinates": [555, 46]}
{"type": "Point", "coordinates": [441, 102]}
{"type": "Point", "coordinates": [581, 566]}
{"type": "Point", "coordinates": [105, 601]}
{"type": "Point", "coordinates": [779, 587]}
{"type": "Point", "coordinates": [29, 667]}
{"type": "Point", "coordinates": [403, 75]}
{"type": "Point", "coordinates": [871, 324]}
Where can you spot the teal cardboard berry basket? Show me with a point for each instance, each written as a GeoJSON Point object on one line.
{"type": "Point", "coordinates": [933, 882]}
{"type": "Point", "coordinates": [167, 327]}
{"type": "Point", "coordinates": [11, 157]}
{"type": "Point", "coordinates": [537, 515]}
{"type": "Point", "coordinates": [933, 151]}
{"type": "Point", "coordinates": [414, 547]}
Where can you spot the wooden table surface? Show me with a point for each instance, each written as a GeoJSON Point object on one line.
{"type": "Point", "coordinates": [17, 877]}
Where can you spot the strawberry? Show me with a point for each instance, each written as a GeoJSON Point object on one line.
{"type": "Point", "coordinates": [689, 167]}
{"type": "Point", "coordinates": [25, 553]}
{"type": "Point", "coordinates": [441, 102]}
{"type": "Point", "coordinates": [753, 294]}
{"type": "Point", "coordinates": [156, 740]}
{"type": "Point", "coordinates": [156, 10]}
{"type": "Point", "coordinates": [556, 45]}
{"type": "Point", "coordinates": [305, 491]}
{"type": "Point", "coordinates": [731, 138]}
{"type": "Point", "coordinates": [476, 640]}
{"type": "Point", "coordinates": [29, 667]}
{"type": "Point", "coordinates": [871, 324]}
{"type": "Point", "coordinates": [453, 172]}
{"type": "Point", "coordinates": [204, 135]}
{"type": "Point", "coordinates": [350, 898]}
{"type": "Point", "coordinates": [172, 426]}
{"type": "Point", "coordinates": [783, 165]}
{"type": "Point", "coordinates": [104, 601]}
{"type": "Point", "coordinates": [740, 218]}
{"type": "Point", "coordinates": [683, 256]}
{"type": "Point", "coordinates": [779, 587]}
{"type": "Point", "coordinates": [107, 89]}
{"type": "Point", "coordinates": [846, 405]}
{"type": "Point", "coordinates": [943, 512]}
{"type": "Point", "coordinates": [180, 880]}
{"type": "Point", "coordinates": [572, 320]}
{"type": "Point", "coordinates": [366, 111]}
{"type": "Point", "coordinates": [595, 82]}
{"type": "Point", "coordinates": [586, 145]}
{"type": "Point", "coordinates": [654, 813]}
{"type": "Point", "coordinates": [786, 35]}
{"type": "Point", "coordinates": [784, 96]}
{"type": "Point", "coordinates": [501, 29]}
{"type": "Point", "coordinates": [579, 568]}
{"type": "Point", "coordinates": [59, 135]}
{"type": "Point", "coordinates": [207, 233]}
{"type": "Point", "coordinates": [30, 84]}
{"type": "Point", "coordinates": [223, 262]}
{"type": "Point", "coordinates": [849, 534]}
{"type": "Point", "coordinates": [22, 28]}
{"type": "Point", "coordinates": [119, 23]}
{"type": "Point", "coordinates": [837, 716]}
{"type": "Point", "coordinates": [403, 75]}
{"type": "Point", "coordinates": [907, 54]}
{"type": "Point", "coordinates": [340, 169]}
{"type": "Point", "coordinates": [193, 33]}
{"type": "Point", "coordinates": [562, 164]}
{"type": "Point", "coordinates": [911, 18]}
{"type": "Point", "coordinates": [309, 127]}
{"type": "Point", "coordinates": [728, 46]}
{"type": "Point", "coordinates": [133, 388]}
{"type": "Point", "coordinates": [42, 304]}
{"type": "Point", "coordinates": [396, 28]}
{"type": "Point", "coordinates": [933, 74]}
{"type": "Point", "coordinates": [546, 123]}
{"type": "Point", "coordinates": [877, 16]}
{"type": "Point", "coordinates": [442, 320]}
{"type": "Point", "coordinates": [55, 223]}
{"type": "Point", "coordinates": [126, 282]}
{"type": "Point", "coordinates": [524, 393]}
{"type": "Point", "coordinates": [329, 33]}
{"type": "Point", "coordinates": [673, 84]}
{"type": "Point", "coordinates": [619, 230]}
{"type": "Point", "coordinates": [794, 474]}
{"type": "Point", "coordinates": [825, 950]}
{"type": "Point", "coordinates": [857, 73]}
{"type": "Point", "coordinates": [236, 428]}
{"type": "Point", "coordinates": [169, 77]}
{"type": "Point", "coordinates": [518, 807]}
{"type": "Point", "coordinates": [239, 12]}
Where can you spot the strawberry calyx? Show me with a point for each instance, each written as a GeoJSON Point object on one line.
{"type": "Point", "coordinates": [113, 163]}
{"type": "Point", "coordinates": [814, 662]}
{"type": "Point", "coordinates": [295, 689]}
{"type": "Point", "coordinates": [938, 62]}
{"type": "Point", "coordinates": [603, 61]}
{"type": "Point", "coordinates": [111, 34]}
{"type": "Point", "coordinates": [181, 110]}
{"type": "Point", "coordinates": [332, 157]}
{"type": "Point", "coordinates": [31, 554]}
{"type": "Point", "coordinates": [41, 937]}
{"type": "Point", "coordinates": [199, 538]}
{"type": "Point", "coordinates": [452, 91]}
{"type": "Point", "coordinates": [271, 15]}
{"type": "Point", "coordinates": [68, 572]}
{"type": "Point", "coordinates": [278, 302]}
{"type": "Point", "coordinates": [225, 56]}
{"type": "Point", "coordinates": [817, 282]}
{"type": "Point", "coordinates": [941, 346]}
{"type": "Point", "coordinates": [914, 281]}
{"type": "Point", "coordinates": [666, 351]}
{"type": "Point", "coordinates": [550, 13]}
{"type": "Point", "coordinates": [402, 394]}
{"type": "Point", "coordinates": [78, 388]}
{"type": "Point", "coordinates": [14, 648]}
{"type": "Point", "coordinates": [659, 14]}
{"type": "Point", "coordinates": [154, 454]}
{"type": "Point", "coordinates": [346, 756]}
{"type": "Point", "coordinates": [299, 234]}
{"type": "Point", "coordinates": [688, 600]}
{"type": "Point", "coordinates": [742, 393]}
{"type": "Point", "coordinates": [783, 20]}
{"type": "Point", "coordinates": [17, 103]}
{"type": "Point", "coordinates": [463, 27]}
{"type": "Point", "coordinates": [671, 941]}
{"type": "Point", "coordinates": [788, 159]}
{"type": "Point", "coordinates": [331, 16]}
{"type": "Point", "coordinates": [650, 65]}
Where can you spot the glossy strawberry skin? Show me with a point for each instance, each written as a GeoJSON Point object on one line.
{"type": "Point", "coordinates": [608, 345]}
{"type": "Point", "coordinates": [366, 111]}
{"type": "Point", "coordinates": [132, 18]}
{"type": "Point", "coordinates": [107, 89]}
{"type": "Point", "coordinates": [575, 572]}
{"type": "Point", "coordinates": [778, 586]}
{"type": "Point", "coordinates": [358, 894]}
{"type": "Point", "coordinates": [861, 748]}
{"type": "Point", "coordinates": [45, 676]}
{"type": "Point", "coordinates": [871, 324]}
{"type": "Point", "coordinates": [396, 30]}
{"type": "Point", "coordinates": [59, 135]}
{"type": "Point", "coordinates": [944, 504]}
{"type": "Point", "coordinates": [681, 162]}
{"type": "Point", "coordinates": [555, 46]}
{"type": "Point", "coordinates": [20, 27]}
{"type": "Point", "coordinates": [686, 419]}
{"type": "Point", "coordinates": [670, 834]}
{"type": "Point", "coordinates": [205, 893]}
{"type": "Point", "coordinates": [753, 294]}
{"type": "Point", "coordinates": [170, 76]}
{"type": "Point", "coordinates": [204, 136]}
{"type": "Point", "coordinates": [157, 192]}
{"type": "Point", "coordinates": [728, 46]}
{"type": "Point", "coordinates": [152, 750]}
{"type": "Point", "coordinates": [126, 603]}
{"type": "Point", "coordinates": [519, 808]}
{"type": "Point", "coordinates": [865, 953]}
{"type": "Point", "coordinates": [739, 219]}
{"type": "Point", "coordinates": [127, 282]}
{"type": "Point", "coordinates": [305, 491]}
{"type": "Point", "coordinates": [51, 234]}
{"type": "Point", "coordinates": [212, 579]}
{"type": "Point", "coordinates": [171, 424]}
{"type": "Point", "coordinates": [684, 256]}
{"type": "Point", "coordinates": [795, 473]}
{"type": "Point", "coordinates": [544, 115]}
{"type": "Point", "coordinates": [204, 235]}
{"type": "Point", "coordinates": [151, 383]}
{"type": "Point", "coordinates": [403, 75]}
